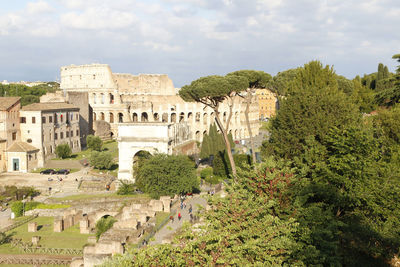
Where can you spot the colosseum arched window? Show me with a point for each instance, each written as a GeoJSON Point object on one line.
{"type": "Point", "coordinates": [120, 117]}
{"type": "Point", "coordinates": [156, 117]}
{"type": "Point", "coordinates": [102, 116]}
{"type": "Point", "coordinates": [182, 117]}
{"type": "Point", "coordinates": [197, 116]}
{"type": "Point", "coordinates": [144, 117]}
{"type": "Point", "coordinates": [134, 117]}
{"type": "Point", "coordinates": [173, 117]}
{"type": "Point", "coordinates": [111, 117]}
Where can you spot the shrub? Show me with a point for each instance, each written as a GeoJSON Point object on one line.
{"type": "Point", "coordinates": [213, 179]}
{"type": "Point", "coordinates": [101, 160]}
{"type": "Point", "coordinates": [18, 207]}
{"type": "Point", "coordinates": [63, 151]}
{"type": "Point", "coordinates": [5, 238]}
{"type": "Point", "coordinates": [18, 193]}
{"type": "Point", "coordinates": [206, 172]}
{"type": "Point", "coordinates": [94, 142]}
{"type": "Point", "coordinates": [126, 188]}
{"type": "Point", "coordinates": [103, 225]}
{"type": "Point", "coordinates": [167, 175]}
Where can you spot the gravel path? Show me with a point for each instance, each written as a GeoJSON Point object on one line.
{"type": "Point", "coordinates": [171, 227]}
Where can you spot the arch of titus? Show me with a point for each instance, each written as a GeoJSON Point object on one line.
{"type": "Point", "coordinates": [125, 98]}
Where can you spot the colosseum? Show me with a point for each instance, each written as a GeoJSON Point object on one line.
{"type": "Point", "coordinates": [117, 98]}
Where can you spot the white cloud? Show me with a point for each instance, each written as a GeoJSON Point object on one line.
{"type": "Point", "coordinates": [97, 18]}
{"type": "Point", "coordinates": [38, 7]}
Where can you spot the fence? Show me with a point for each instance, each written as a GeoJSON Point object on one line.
{"type": "Point", "coordinates": [33, 260]}
{"type": "Point", "coordinates": [28, 248]}
{"type": "Point", "coordinates": [17, 224]}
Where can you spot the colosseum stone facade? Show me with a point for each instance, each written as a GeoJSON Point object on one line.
{"type": "Point", "coordinates": [118, 98]}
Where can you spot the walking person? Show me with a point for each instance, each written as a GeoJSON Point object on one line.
{"type": "Point", "coordinates": [190, 209]}
{"type": "Point", "coordinates": [171, 218]}
{"type": "Point", "coordinates": [191, 217]}
{"type": "Point", "coordinates": [179, 216]}
{"type": "Point", "coordinates": [184, 205]}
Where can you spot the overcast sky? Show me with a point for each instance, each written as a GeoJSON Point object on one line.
{"type": "Point", "coordinates": [187, 39]}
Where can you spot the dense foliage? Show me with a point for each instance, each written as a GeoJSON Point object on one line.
{"type": "Point", "coordinates": [231, 233]}
{"type": "Point", "coordinates": [126, 188]}
{"type": "Point", "coordinates": [167, 175]}
{"type": "Point", "coordinates": [63, 151]}
{"type": "Point", "coordinates": [28, 94]}
{"type": "Point", "coordinates": [94, 142]}
{"type": "Point", "coordinates": [101, 160]}
{"type": "Point", "coordinates": [103, 225]}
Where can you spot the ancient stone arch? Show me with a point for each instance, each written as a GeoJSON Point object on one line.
{"type": "Point", "coordinates": [173, 117]}
{"type": "Point", "coordinates": [102, 116]}
{"type": "Point", "coordinates": [111, 117]}
{"type": "Point", "coordinates": [182, 117]}
{"type": "Point", "coordinates": [156, 117]}
{"type": "Point", "coordinates": [165, 117]}
{"type": "Point", "coordinates": [144, 117]}
{"type": "Point", "coordinates": [134, 117]}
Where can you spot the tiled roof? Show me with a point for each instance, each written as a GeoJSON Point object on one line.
{"type": "Point", "coordinates": [21, 147]}
{"type": "Point", "coordinates": [49, 106]}
{"type": "Point", "coordinates": [7, 102]}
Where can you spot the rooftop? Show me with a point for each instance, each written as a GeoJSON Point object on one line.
{"type": "Point", "coordinates": [49, 106]}
{"type": "Point", "coordinates": [21, 147]}
{"type": "Point", "coordinates": [7, 102]}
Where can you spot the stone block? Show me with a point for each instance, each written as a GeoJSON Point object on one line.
{"type": "Point", "coordinates": [58, 225]}
{"type": "Point", "coordinates": [32, 227]}
{"type": "Point", "coordinates": [68, 221]}
{"type": "Point", "coordinates": [136, 206]}
{"type": "Point", "coordinates": [91, 240]}
{"type": "Point", "coordinates": [126, 224]}
{"type": "Point", "coordinates": [156, 205]}
{"type": "Point", "coordinates": [84, 227]}
{"type": "Point", "coordinates": [35, 240]}
{"type": "Point", "coordinates": [166, 203]}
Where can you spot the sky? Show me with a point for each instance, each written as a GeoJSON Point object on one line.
{"type": "Point", "coordinates": [188, 39]}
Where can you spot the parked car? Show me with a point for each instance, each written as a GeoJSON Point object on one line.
{"type": "Point", "coordinates": [63, 171]}
{"type": "Point", "coordinates": [48, 171]}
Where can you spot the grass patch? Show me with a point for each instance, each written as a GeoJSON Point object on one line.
{"type": "Point", "coordinates": [57, 169]}
{"type": "Point", "coordinates": [43, 206]}
{"type": "Point", "coordinates": [102, 195]}
{"type": "Point", "coordinates": [111, 146]}
{"type": "Point", "coordinates": [160, 217]}
{"type": "Point", "coordinates": [70, 238]}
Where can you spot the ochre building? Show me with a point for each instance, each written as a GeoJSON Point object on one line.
{"type": "Point", "coordinates": [267, 103]}
{"type": "Point", "coordinates": [117, 98]}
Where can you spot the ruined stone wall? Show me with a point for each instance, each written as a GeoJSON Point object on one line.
{"type": "Point", "coordinates": [81, 100]}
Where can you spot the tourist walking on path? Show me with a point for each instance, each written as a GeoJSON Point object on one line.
{"type": "Point", "coordinates": [171, 218]}
{"type": "Point", "coordinates": [179, 216]}
{"type": "Point", "coordinates": [190, 209]}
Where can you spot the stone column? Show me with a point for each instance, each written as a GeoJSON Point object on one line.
{"type": "Point", "coordinates": [35, 240]}
{"type": "Point", "coordinates": [58, 225]}
{"type": "Point", "coordinates": [32, 227]}
{"type": "Point", "coordinates": [84, 227]}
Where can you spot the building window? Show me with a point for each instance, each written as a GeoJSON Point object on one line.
{"type": "Point", "coordinates": [76, 116]}
{"type": "Point", "coordinates": [61, 135]}
{"type": "Point", "coordinates": [23, 120]}
{"type": "Point", "coordinates": [43, 119]}
{"type": "Point", "coordinates": [14, 136]}
{"type": "Point", "coordinates": [67, 134]}
{"type": "Point", "coordinates": [30, 157]}
{"type": "Point", "coordinates": [77, 132]}
{"type": "Point", "coordinates": [29, 140]}
{"type": "Point", "coordinates": [55, 117]}
{"type": "Point", "coordinates": [50, 119]}
{"type": "Point", "coordinates": [55, 137]}
{"type": "Point", "coordinates": [72, 133]}
{"type": "Point", "coordinates": [50, 136]}
{"type": "Point", "coordinates": [33, 119]}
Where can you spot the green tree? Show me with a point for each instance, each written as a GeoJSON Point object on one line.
{"type": "Point", "coordinates": [213, 142]}
{"type": "Point", "coordinates": [280, 82]}
{"type": "Point", "coordinates": [212, 91]}
{"type": "Point", "coordinates": [94, 142]}
{"type": "Point", "coordinates": [167, 175]}
{"type": "Point", "coordinates": [101, 160]}
{"type": "Point", "coordinates": [256, 79]}
{"type": "Point", "coordinates": [390, 94]}
{"type": "Point", "coordinates": [313, 107]}
{"type": "Point", "coordinates": [63, 151]}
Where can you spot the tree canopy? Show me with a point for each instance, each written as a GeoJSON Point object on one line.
{"type": "Point", "coordinates": [167, 175]}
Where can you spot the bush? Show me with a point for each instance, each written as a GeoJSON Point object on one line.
{"type": "Point", "coordinates": [63, 151]}
{"type": "Point", "coordinates": [213, 179]}
{"type": "Point", "coordinates": [19, 193]}
{"type": "Point", "coordinates": [126, 188]}
{"type": "Point", "coordinates": [94, 142]}
{"type": "Point", "coordinates": [101, 160]}
{"type": "Point", "coordinates": [222, 167]}
{"type": "Point", "coordinates": [18, 207]}
{"type": "Point", "coordinates": [103, 225]}
{"type": "Point", "coordinates": [206, 172]}
{"type": "Point", "coordinates": [5, 238]}
{"type": "Point", "coordinates": [163, 175]}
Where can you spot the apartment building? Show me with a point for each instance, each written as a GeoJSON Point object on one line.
{"type": "Point", "coordinates": [9, 126]}
{"type": "Point", "coordinates": [47, 125]}
{"type": "Point", "coordinates": [267, 102]}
